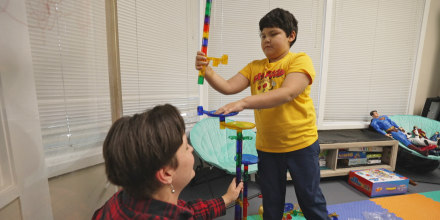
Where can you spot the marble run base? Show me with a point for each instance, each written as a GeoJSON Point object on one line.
{"type": "Point", "coordinates": [378, 182]}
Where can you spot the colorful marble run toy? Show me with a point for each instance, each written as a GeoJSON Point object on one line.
{"type": "Point", "coordinates": [246, 159]}
{"type": "Point", "coordinates": [239, 126]}
{"type": "Point", "coordinates": [240, 158]}
{"type": "Point", "coordinates": [216, 61]}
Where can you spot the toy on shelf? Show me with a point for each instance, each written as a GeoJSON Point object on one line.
{"type": "Point", "coordinates": [216, 61]}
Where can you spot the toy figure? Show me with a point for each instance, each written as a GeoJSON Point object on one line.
{"type": "Point", "coordinates": [419, 132]}
{"type": "Point", "coordinates": [418, 137]}
{"type": "Point", "coordinates": [386, 126]}
{"type": "Point", "coordinates": [435, 137]}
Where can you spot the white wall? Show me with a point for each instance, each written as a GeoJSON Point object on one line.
{"type": "Point", "coordinates": [429, 77]}
{"type": "Point", "coordinates": [22, 118]}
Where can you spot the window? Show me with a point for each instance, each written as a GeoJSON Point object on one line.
{"type": "Point", "coordinates": [8, 189]}
{"type": "Point", "coordinates": [157, 46]}
{"type": "Point", "coordinates": [372, 58]}
{"type": "Point", "coordinates": [69, 54]}
{"type": "Point", "coordinates": [235, 31]}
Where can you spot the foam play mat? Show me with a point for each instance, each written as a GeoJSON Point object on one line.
{"type": "Point", "coordinates": [417, 206]}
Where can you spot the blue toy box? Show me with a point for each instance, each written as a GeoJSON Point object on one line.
{"type": "Point", "coordinates": [378, 182]}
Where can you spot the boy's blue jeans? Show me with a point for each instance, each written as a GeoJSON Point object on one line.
{"type": "Point", "coordinates": [303, 166]}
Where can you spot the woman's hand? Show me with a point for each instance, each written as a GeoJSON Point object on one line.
{"type": "Point", "coordinates": [232, 193]}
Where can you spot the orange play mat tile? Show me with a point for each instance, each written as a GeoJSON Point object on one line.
{"type": "Point", "coordinates": [411, 206]}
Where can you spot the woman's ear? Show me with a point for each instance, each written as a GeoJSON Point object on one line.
{"type": "Point", "coordinates": [165, 175]}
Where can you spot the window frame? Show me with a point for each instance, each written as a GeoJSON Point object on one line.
{"type": "Point", "coordinates": [8, 186]}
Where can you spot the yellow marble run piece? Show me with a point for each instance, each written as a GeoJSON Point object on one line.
{"type": "Point", "coordinates": [216, 61]}
{"type": "Point", "coordinates": [238, 125]}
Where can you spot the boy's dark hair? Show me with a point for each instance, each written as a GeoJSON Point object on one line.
{"type": "Point", "coordinates": [280, 18]}
{"type": "Point", "coordinates": [137, 147]}
{"type": "Point", "coordinates": [372, 112]}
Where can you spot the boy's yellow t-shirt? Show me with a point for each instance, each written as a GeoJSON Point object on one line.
{"type": "Point", "coordinates": [290, 126]}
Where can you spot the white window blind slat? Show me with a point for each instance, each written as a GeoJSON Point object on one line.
{"type": "Point", "coordinates": [69, 52]}
{"type": "Point", "coordinates": [154, 54]}
{"type": "Point", "coordinates": [373, 50]}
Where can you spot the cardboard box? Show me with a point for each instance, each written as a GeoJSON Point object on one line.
{"type": "Point", "coordinates": [351, 154]}
{"type": "Point", "coordinates": [378, 182]}
{"type": "Point", "coordinates": [367, 149]}
{"type": "Point", "coordinates": [352, 162]}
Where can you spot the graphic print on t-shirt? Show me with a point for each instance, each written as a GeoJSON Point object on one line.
{"type": "Point", "coordinates": [266, 81]}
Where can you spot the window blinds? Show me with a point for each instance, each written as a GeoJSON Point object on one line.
{"type": "Point", "coordinates": [372, 58]}
{"type": "Point", "coordinates": [235, 31]}
{"type": "Point", "coordinates": [69, 55]}
{"type": "Point", "coordinates": [157, 44]}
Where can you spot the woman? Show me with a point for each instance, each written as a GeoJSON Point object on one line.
{"type": "Point", "coordinates": [148, 155]}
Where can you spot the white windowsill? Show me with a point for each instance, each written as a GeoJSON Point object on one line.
{"type": "Point", "coordinates": [8, 195]}
{"type": "Point", "coordinates": [343, 125]}
{"type": "Point", "coordinates": [72, 161]}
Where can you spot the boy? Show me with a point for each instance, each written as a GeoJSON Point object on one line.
{"type": "Point", "coordinates": [287, 137]}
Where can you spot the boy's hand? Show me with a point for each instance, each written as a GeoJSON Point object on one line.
{"type": "Point", "coordinates": [201, 61]}
{"type": "Point", "coordinates": [237, 106]}
{"type": "Point", "coordinates": [232, 193]}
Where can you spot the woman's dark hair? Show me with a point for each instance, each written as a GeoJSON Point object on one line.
{"type": "Point", "coordinates": [280, 18]}
{"type": "Point", "coordinates": [137, 147]}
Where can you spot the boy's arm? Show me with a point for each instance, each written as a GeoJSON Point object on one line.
{"type": "Point", "coordinates": [233, 85]}
{"type": "Point", "coordinates": [293, 85]}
